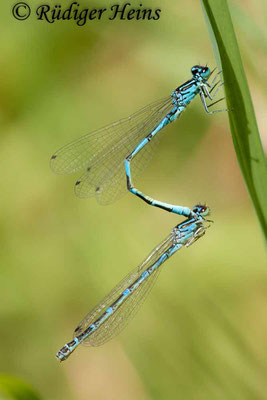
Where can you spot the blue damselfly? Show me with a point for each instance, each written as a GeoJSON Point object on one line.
{"type": "Point", "coordinates": [101, 154]}
{"type": "Point", "coordinates": [112, 314]}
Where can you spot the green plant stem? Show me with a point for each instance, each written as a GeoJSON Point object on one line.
{"type": "Point", "coordinates": [242, 118]}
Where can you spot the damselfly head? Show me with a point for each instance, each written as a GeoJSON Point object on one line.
{"type": "Point", "coordinates": [202, 71]}
{"type": "Point", "coordinates": [201, 209]}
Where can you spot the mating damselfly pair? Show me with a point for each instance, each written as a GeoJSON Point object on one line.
{"type": "Point", "coordinates": [105, 157]}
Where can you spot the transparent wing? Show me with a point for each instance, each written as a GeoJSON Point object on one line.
{"type": "Point", "coordinates": [117, 321]}
{"type": "Point", "coordinates": [101, 154]}
{"type": "Point", "coordinates": [114, 186]}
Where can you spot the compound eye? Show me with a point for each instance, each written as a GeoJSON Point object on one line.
{"type": "Point", "coordinates": [205, 72]}
{"type": "Point", "coordinates": [201, 209]}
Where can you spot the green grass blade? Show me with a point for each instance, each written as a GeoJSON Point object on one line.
{"type": "Point", "coordinates": [15, 389]}
{"type": "Point", "coordinates": [242, 118]}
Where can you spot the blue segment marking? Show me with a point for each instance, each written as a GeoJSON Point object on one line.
{"type": "Point", "coordinates": [101, 154]}
{"type": "Point", "coordinates": [133, 289]}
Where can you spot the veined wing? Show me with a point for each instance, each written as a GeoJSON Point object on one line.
{"type": "Point", "coordinates": [113, 184]}
{"type": "Point", "coordinates": [109, 184]}
{"type": "Point", "coordinates": [117, 321]}
{"type": "Point", "coordinates": [102, 153]}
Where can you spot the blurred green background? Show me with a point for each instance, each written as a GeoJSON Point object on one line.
{"type": "Point", "coordinates": [202, 333]}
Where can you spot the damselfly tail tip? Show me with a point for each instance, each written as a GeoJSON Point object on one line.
{"type": "Point", "coordinates": [59, 356]}
{"type": "Point", "coordinates": [62, 354]}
